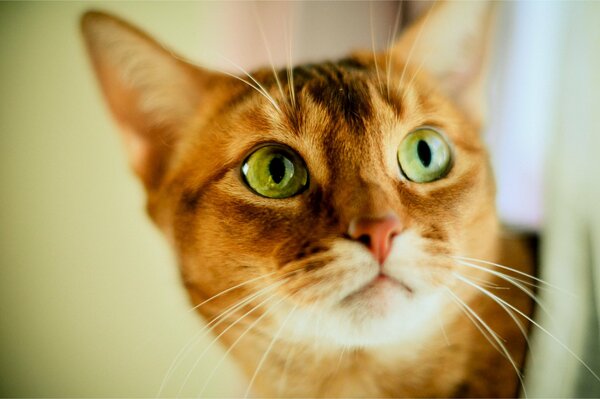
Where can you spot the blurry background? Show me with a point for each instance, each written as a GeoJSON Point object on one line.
{"type": "Point", "coordinates": [90, 299]}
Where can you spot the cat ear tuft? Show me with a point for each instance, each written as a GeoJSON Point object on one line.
{"type": "Point", "coordinates": [452, 41]}
{"type": "Point", "coordinates": [151, 92]}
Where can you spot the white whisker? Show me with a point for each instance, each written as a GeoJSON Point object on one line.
{"type": "Point", "coordinates": [392, 37]}
{"type": "Point", "coordinates": [513, 281]}
{"type": "Point", "coordinates": [231, 289]}
{"type": "Point", "coordinates": [339, 362]}
{"type": "Point", "coordinates": [264, 356]}
{"type": "Point", "coordinates": [373, 46]}
{"type": "Point", "coordinates": [412, 47]}
{"type": "Point", "coordinates": [500, 300]}
{"type": "Point", "coordinates": [260, 88]}
{"type": "Point", "coordinates": [290, 71]}
{"type": "Point", "coordinates": [188, 375]}
{"type": "Point", "coordinates": [219, 319]}
{"type": "Point", "coordinates": [507, 310]}
{"type": "Point", "coordinates": [496, 338]}
{"type": "Point", "coordinates": [443, 329]}
{"type": "Point", "coordinates": [416, 73]}
{"type": "Point", "coordinates": [267, 48]}
{"type": "Point", "coordinates": [485, 334]}
{"type": "Point", "coordinates": [284, 372]}
{"type": "Point", "coordinates": [206, 329]}
{"type": "Point", "coordinates": [484, 283]}
{"type": "Point", "coordinates": [233, 345]}
{"type": "Point", "coordinates": [514, 271]}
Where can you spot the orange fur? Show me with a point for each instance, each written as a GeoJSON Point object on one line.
{"type": "Point", "coordinates": [335, 336]}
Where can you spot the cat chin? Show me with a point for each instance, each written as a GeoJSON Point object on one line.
{"type": "Point", "coordinates": [384, 315]}
{"type": "Point", "coordinates": [380, 315]}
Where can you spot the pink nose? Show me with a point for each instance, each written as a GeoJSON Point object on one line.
{"type": "Point", "coordinates": [376, 233]}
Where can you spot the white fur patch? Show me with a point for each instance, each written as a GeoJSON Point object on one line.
{"type": "Point", "coordinates": [356, 312]}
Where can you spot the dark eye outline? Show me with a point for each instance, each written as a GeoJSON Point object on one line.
{"type": "Point", "coordinates": [285, 149]}
{"type": "Point", "coordinates": [448, 143]}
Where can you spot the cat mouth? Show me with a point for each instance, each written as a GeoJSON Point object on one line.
{"type": "Point", "coordinates": [384, 278]}
{"type": "Point", "coordinates": [380, 285]}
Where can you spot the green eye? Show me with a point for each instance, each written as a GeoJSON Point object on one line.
{"type": "Point", "coordinates": [274, 171]}
{"type": "Point", "coordinates": [424, 156]}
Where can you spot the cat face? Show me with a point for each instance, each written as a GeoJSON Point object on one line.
{"type": "Point", "coordinates": [347, 132]}
{"type": "Point", "coordinates": [332, 196]}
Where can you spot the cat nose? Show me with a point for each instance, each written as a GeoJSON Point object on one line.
{"type": "Point", "coordinates": [376, 233]}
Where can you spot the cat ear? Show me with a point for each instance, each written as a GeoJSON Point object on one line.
{"type": "Point", "coordinates": [151, 92]}
{"type": "Point", "coordinates": [451, 41]}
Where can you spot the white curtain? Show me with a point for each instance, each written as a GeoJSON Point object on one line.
{"type": "Point", "coordinates": [571, 232]}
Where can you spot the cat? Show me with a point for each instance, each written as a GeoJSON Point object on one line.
{"type": "Point", "coordinates": [345, 209]}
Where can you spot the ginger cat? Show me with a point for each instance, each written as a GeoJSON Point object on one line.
{"type": "Point", "coordinates": [345, 209]}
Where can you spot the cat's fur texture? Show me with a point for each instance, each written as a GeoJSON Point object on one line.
{"type": "Point", "coordinates": [330, 327]}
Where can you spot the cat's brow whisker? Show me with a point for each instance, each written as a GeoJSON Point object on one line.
{"type": "Point", "coordinates": [391, 39]}
{"type": "Point", "coordinates": [388, 58]}
{"type": "Point", "coordinates": [413, 45]}
{"type": "Point", "coordinates": [267, 48]}
{"type": "Point", "coordinates": [416, 72]}
{"type": "Point", "coordinates": [289, 69]}
{"type": "Point", "coordinates": [373, 47]}
{"type": "Point", "coordinates": [268, 350]}
{"type": "Point", "coordinates": [500, 300]}
{"type": "Point", "coordinates": [496, 338]}
{"type": "Point", "coordinates": [257, 86]}
{"type": "Point", "coordinates": [210, 345]}
{"type": "Point", "coordinates": [234, 344]}
{"type": "Point", "coordinates": [253, 86]}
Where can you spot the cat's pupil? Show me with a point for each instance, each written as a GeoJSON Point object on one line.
{"type": "Point", "coordinates": [424, 153]}
{"type": "Point", "coordinates": [277, 169]}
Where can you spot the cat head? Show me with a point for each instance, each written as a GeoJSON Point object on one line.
{"type": "Point", "coordinates": [331, 196]}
